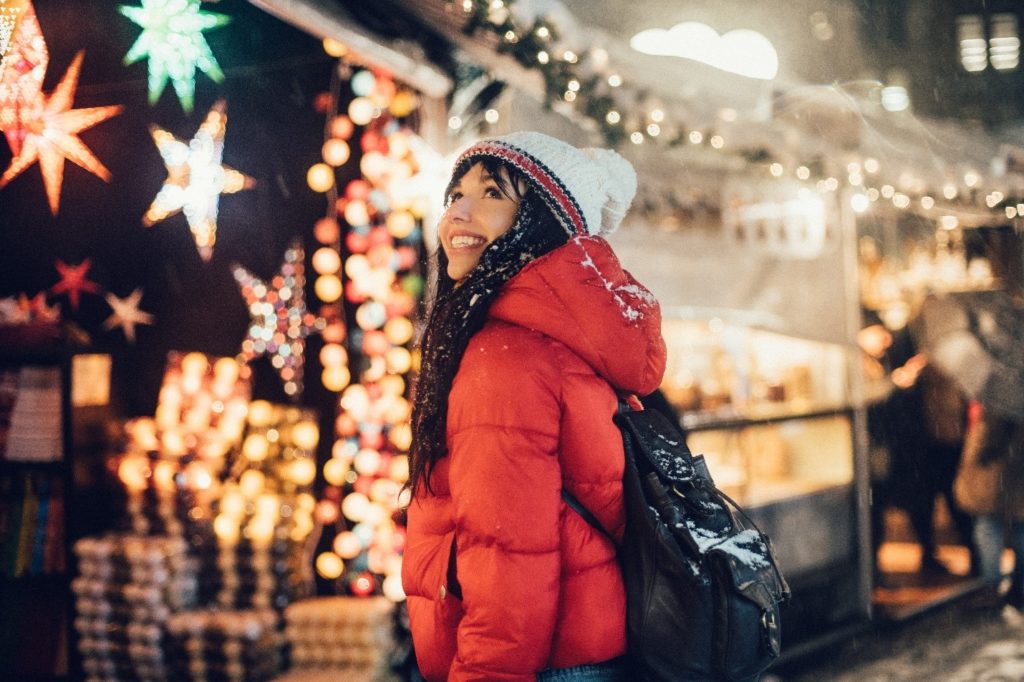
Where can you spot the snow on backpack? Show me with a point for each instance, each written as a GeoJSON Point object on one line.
{"type": "Point", "coordinates": [702, 586]}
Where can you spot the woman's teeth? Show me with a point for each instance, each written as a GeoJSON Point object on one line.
{"type": "Point", "coordinates": [463, 241]}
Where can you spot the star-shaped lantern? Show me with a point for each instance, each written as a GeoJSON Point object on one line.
{"type": "Point", "coordinates": [280, 322]}
{"type": "Point", "coordinates": [21, 74]}
{"type": "Point", "coordinates": [172, 38]}
{"type": "Point", "coordinates": [127, 314]}
{"type": "Point", "coordinates": [196, 179]}
{"type": "Point", "coordinates": [51, 136]}
{"type": "Point", "coordinates": [73, 281]}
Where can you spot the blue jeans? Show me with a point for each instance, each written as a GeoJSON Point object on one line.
{"type": "Point", "coordinates": [989, 537]}
{"type": "Point", "coordinates": [614, 670]}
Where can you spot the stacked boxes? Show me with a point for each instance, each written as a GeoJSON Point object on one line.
{"type": "Point", "coordinates": [352, 636]}
{"type": "Point", "coordinates": [224, 646]}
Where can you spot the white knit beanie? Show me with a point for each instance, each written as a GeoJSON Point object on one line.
{"type": "Point", "coordinates": [588, 190]}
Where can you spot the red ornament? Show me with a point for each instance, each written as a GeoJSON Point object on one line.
{"type": "Point", "coordinates": [73, 281]}
{"type": "Point", "coordinates": [358, 189]}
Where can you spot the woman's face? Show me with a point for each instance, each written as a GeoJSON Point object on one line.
{"type": "Point", "coordinates": [478, 213]}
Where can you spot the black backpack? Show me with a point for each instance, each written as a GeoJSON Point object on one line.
{"type": "Point", "coordinates": [702, 586]}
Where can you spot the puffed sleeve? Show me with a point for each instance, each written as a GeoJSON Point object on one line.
{"type": "Point", "coordinates": [504, 413]}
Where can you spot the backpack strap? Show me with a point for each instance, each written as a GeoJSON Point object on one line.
{"type": "Point", "coordinates": [582, 511]}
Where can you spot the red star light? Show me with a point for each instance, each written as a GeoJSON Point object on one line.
{"type": "Point", "coordinates": [73, 281]}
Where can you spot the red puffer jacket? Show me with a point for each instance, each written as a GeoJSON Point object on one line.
{"type": "Point", "coordinates": [530, 411]}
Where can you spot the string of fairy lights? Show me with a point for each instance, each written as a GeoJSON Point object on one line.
{"type": "Point", "coordinates": [368, 281]}
{"type": "Point", "coordinates": [584, 82]}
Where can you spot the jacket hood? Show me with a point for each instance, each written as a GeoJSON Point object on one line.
{"type": "Point", "coordinates": [580, 296]}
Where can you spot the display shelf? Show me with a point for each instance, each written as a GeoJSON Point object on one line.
{"type": "Point", "coordinates": [36, 414]}
{"type": "Point", "coordinates": [704, 421]}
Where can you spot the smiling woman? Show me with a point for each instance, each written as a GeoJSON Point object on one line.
{"type": "Point", "coordinates": [481, 205]}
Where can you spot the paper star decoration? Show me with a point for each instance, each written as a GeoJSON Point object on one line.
{"type": "Point", "coordinates": [10, 12]}
{"type": "Point", "coordinates": [172, 38]}
{"type": "Point", "coordinates": [280, 322]}
{"type": "Point", "coordinates": [21, 76]}
{"type": "Point", "coordinates": [126, 314]}
{"type": "Point", "coordinates": [51, 136]}
{"type": "Point", "coordinates": [196, 179]}
{"type": "Point", "coordinates": [73, 281]}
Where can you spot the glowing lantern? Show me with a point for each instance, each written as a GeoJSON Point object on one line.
{"type": "Point", "coordinates": [355, 506]}
{"type": "Point", "coordinates": [335, 378]}
{"type": "Point", "coordinates": [328, 288]}
{"type": "Point", "coordinates": [342, 127]}
{"type": "Point", "coordinates": [399, 360]}
{"type": "Point", "coordinates": [399, 330]}
{"type": "Point", "coordinates": [403, 104]}
{"type": "Point", "coordinates": [392, 588]}
{"type": "Point", "coordinates": [305, 435]}
{"type": "Point", "coordinates": [232, 504]}
{"type": "Point", "coordinates": [333, 355]}
{"type": "Point", "coordinates": [347, 545]}
{"type": "Point", "coordinates": [320, 177]}
{"type": "Point", "coordinates": [303, 471]}
{"type": "Point", "coordinates": [357, 214]}
{"type": "Point", "coordinates": [367, 462]}
{"type": "Point", "coordinates": [251, 483]}
{"type": "Point", "coordinates": [361, 111]}
{"type": "Point", "coordinates": [371, 315]}
{"type": "Point", "coordinates": [335, 151]}
{"type": "Point", "coordinates": [363, 585]}
{"type": "Point", "coordinates": [261, 413]}
{"type": "Point", "coordinates": [398, 469]}
{"type": "Point", "coordinates": [335, 470]}
{"type": "Point", "coordinates": [326, 512]}
{"type": "Point", "coordinates": [401, 224]}
{"type": "Point", "coordinates": [326, 231]}
{"type": "Point", "coordinates": [226, 528]}
{"type": "Point", "coordinates": [362, 83]}
{"type": "Point", "coordinates": [329, 565]}
{"type": "Point", "coordinates": [326, 261]}
{"type": "Point", "coordinates": [134, 473]}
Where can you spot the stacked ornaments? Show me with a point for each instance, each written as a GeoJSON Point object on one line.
{"type": "Point", "coordinates": [349, 636]}
{"type": "Point", "coordinates": [224, 646]}
{"type": "Point", "coordinates": [128, 587]}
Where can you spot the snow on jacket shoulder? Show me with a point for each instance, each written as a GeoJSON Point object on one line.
{"type": "Point", "coordinates": [530, 411]}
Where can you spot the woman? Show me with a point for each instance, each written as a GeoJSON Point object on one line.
{"type": "Point", "coordinates": [534, 331]}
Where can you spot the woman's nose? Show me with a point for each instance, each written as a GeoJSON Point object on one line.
{"type": "Point", "coordinates": [460, 209]}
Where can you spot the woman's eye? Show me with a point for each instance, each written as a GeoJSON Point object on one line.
{"type": "Point", "coordinates": [493, 193]}
{"type": "Point", "coordinates": [453, 197]}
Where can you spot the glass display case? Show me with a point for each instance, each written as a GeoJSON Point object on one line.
{"type": "Point", "coordinates": [775, 418]}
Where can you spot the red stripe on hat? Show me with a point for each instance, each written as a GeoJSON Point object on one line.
{"type": "Point", "coordinates": [537, 172]}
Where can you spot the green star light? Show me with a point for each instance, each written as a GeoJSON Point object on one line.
{"type": "Point", "coordinates": [172, 38]}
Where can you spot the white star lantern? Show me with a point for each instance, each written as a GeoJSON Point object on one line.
{"type": "Point", "coordinates": [280, 322]}
{"type": "Point", "coordinates": [172, 38]}
{"type": "Point", "coordinates": [127, 314]}
{"type": "Point", "coordinates": [196, 179]}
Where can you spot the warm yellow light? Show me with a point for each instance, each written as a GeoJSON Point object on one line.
{"type": "Point", "coordinates": [399, 360]}
{"type": "Point", "coordinates": [251, 483]}
{"type": "Point", "coordinates": [347, 545]}
{"type": "Point", "coordinates": [361, 110]}
{"type": "Point", "coordinates": [355, 506]}
{"type": "Point", "coordinates": [403, 104]}
{"type": "Point", "coordinates": [134, 473]}
{"type": "Point", "coordinates": [226, 529]}
{"type": "Point", "coordinates": [335, 152]}
{"type": "Point", "coordinates": [326, 261]}
{"type": "Point", "coordinates": [232, 504]}
{"type": "Point", "coordinates": [194, 364]}
{"type": "Point", "coordinates": [335, 378]}
{"type": "Point", "coordinates": [392, 588]}
{"type": "Point", "coordinates": [260, 413]}
{"type": "Point", "coordinates": [163, 476]}
{"type": "Point", "coordinates": [356, 401]}
{"type": "Point", "coordinates": [357, 266]}
{"type": "Point", "coordinates": [400, 436]}
{"type": "Point", "coordinates": [356, 213]}
{"type": "Point", "coordinates": [367, 461]}
{"type": "Point", "coordinates": [320, 177]}
{"type": "Point", "coordinates": [326, 512]}
{"type": "Point", "coordinates": [303, 471]}
{"type": "Point", "coordinates": [268, 505]}
{"type": "Point", "coordinates": [305, 435]}
{"type": "Point", "coordinates": [260, 530]}
{"type": "Point", "coordinates": [329, 565]}
{"type": "Point", "coordinates": [333, 355]}
{"type": "Point", "coordinates": [335, 48]}
{"type": "Point", "coordinates": [255, 447]}
{"type": "Point", "coordinates": [392, 384]}
{"type": "Point", "coordinates": [401, 224]}
{"type": "Point", "coordinates": [328, 288]}
{"type": "Point", "coordinates": [335, 470]}
{"type": "Point", "coordinates": [302, 526]}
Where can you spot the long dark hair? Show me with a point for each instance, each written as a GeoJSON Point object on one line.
{"type": "Point", "coordinates": [460, 309]}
